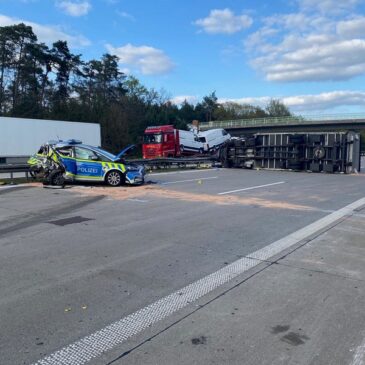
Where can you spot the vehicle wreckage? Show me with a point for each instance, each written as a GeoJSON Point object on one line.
{"type": "Point", "coordinates": [59, 162]}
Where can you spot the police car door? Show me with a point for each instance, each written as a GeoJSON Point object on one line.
{"type": "Point", "coordinates": [88, 165]}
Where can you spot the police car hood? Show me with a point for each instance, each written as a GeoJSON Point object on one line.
{"type": "Point", "coordinates": [123, 152]}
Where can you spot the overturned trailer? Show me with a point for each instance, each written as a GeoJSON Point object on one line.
{"type": "Point", "coordinates": [317, 152]}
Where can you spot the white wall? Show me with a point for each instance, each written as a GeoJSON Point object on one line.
{"type": "Point", "coordinates": [22, 137]}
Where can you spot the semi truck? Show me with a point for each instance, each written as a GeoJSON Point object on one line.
{"type": "Point", "coordinates": [20, 137]}
{"type": "Point", "coordinates": [166, 141]}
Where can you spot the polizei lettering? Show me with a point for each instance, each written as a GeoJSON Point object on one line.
{"type": "Point", "coordinates": [88, 170]}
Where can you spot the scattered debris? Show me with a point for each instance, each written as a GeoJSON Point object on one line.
{"type": "Point", "coordinates": [202, 340]}
{"type": "Point", "coordinates": [294, 339]}
{"type": "Point", "coordinates": [279, 329]}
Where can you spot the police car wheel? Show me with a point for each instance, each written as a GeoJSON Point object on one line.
{"type": "Point", "coordinates": [56, 178]}
{"type": "Point", "coordinates": [114, 178]}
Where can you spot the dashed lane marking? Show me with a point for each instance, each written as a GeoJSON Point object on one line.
{"type": "Point", "coordinates": [251, 188]}
{"type": "Point", "coordinates": [190, 180]}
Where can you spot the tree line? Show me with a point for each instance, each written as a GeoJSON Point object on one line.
{"type": "Point", "coordinates": [51, 82]}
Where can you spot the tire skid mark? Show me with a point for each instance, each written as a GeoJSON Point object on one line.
{"type": "Point", "coordinates": [23, 221]}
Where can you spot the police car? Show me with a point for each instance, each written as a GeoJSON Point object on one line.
{"type": "Point", "coordinates": [87, 163]}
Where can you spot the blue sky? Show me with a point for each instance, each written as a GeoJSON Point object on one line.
{"type": "Point", "coordinates": [309, 53]}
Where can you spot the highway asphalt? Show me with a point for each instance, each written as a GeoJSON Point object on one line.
{"type": "Point", "coordinates": [75, 260]}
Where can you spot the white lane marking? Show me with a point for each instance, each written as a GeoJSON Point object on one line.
{"type": "Point", "coordinates": [190, 180]}
{"type": "Point", "coordinates": [11, 187]}
{"type": "Point", "coordinates": [359, 356]}
{"type": "Point", "coordinates": [137, 200]}
{"type": "Point", "coordinates": [94, 345]}
{"type": "Point", "coordinates": [182, 172]}
{"type": "Point", "coordinates": [251, 188]}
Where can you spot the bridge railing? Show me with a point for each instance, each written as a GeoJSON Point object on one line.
{"type": "Point", "coordinates": [283, 121]}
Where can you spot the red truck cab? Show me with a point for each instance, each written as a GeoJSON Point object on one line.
{"type": "Point", "coordinates": [161, 141]}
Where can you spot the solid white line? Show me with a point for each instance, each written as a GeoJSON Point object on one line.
{"type": "Point", "coordinates": [181, 172]}
{"type": "Point", "coordinates": [251, 188]}
{"type": "Point", "coordinates": [94, 345]}
{"type": "Point", "coordinates": [137, 200]}
{"type": "Point", "coordinates": [190, 180]}
{"type": "Point", "coordinates": [11, 187]}
{"type": "Point", "coordinates": [359, 356]}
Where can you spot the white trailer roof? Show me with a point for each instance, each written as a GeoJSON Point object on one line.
{"type": "Point", "coordinates": [22, 137]}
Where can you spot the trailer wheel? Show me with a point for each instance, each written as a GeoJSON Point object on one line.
{"type": "Point", "coordinates": [319, 152]}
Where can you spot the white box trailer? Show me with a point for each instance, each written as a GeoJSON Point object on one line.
{"type": "Point", "coordinates": [21, 137]}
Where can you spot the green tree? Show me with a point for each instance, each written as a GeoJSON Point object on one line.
{"type": "Point", "coordinates": [206, 109]}
{"type": "Point", "coordinates": [7, 52]}
{"type": "Point", "coordinates": [66, 65]}
{"type": "Point", "coordinates": [231, 110]}
{"type": "Point", "coordinates": [186, 114]}
{"type": "Point", "coordinates": [277, 108]}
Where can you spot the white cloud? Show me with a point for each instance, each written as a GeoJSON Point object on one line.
{"type": "Point", "coordinates": [310, 47]}
{"type": "Point", "coordinates": [328, 6]}
{"type": "Point", "coordinates": [74, 8]}
{"type": "Point", "coordinates": [145, 59]}
{"type": "Point", "coordinates": [354, 28]}
{"type": "Point", "coordinates": [178, 100]}
{"type": "Point", "coordinates": [326, 101]}
{"type": "Point", "coordinates": [126, 15]}
{"type": "Point", "coordinates": [323, 102]}
{"type": "Point", "coordinates": [337, 61]}
{"type": "Point", "coordinates": [48, 33]}
{"type": "Point", "coordinates": [224, 21]}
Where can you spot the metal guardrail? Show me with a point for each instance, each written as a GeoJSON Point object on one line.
{"type": "Point", "coordinates": [157, 162]}
{"type": "Point", "coordinates": [284, 121]}
{"type": "Point", "coordinates": [173, 160]}
{"type": "Point", "coordinates": [11, 169]}
{"type": "Point", "coordinates": [14, 168]}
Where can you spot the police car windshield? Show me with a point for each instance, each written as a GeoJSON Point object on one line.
{"type": "Point", "coordinates": [152, 138]}
{"type": "Point", "coordinates": [107, 154]}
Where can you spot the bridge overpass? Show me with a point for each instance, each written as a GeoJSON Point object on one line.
{"type": "Point", "coordinates": [310, 123]}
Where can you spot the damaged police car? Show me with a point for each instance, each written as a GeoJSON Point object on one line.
{"type": "Point", "coordinates": [71, 160]}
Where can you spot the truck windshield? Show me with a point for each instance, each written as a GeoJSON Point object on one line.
{"type": "Point", "coordinates": [152, 138]}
